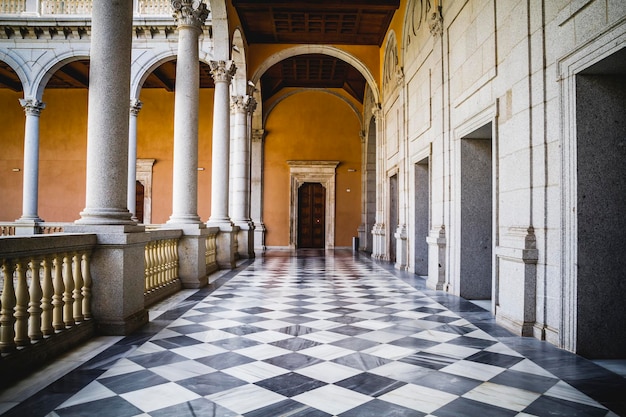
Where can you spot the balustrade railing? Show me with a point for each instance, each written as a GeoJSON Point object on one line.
{"type": "Point", "coordinates": [7, 230]}
{"type": "Point", "coordinates": [46, 287]}
{"type": "Point", "coordinates": [161, 265]}
{"type": "Point", "coordinates": [79, 7]}
{"type": "Point", "coordinates": [211, 251]}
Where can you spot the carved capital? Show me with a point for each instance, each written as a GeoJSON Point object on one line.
{"type": "Point", "coordinates": [251, 106]}
{"type": "Point", "coordinates": [222, 71]}
{"type": "Point", "coordinates": [238, 104]}
{"type": "Point", "coordinates": [135, 106]}
{"type": "Point", "coordinates": [190, 12]}
{"type": "Point", "coordinates": [377, 112]}
{"type": "Point", "coordinates": [32, 107]}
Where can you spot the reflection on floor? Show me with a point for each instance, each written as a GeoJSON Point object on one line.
{"type": "Point", "coordinates": [314, 334]}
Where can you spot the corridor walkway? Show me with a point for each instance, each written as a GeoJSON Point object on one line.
{"type": "Point", "coordinates": [335, 335]}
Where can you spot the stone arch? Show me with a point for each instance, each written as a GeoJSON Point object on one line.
{"type": "Point", "coordinates": [141, 71]}
{"type": "Point", "coordinates": [46, 71]}
{"type": "Point", "coordinates": [240, 80]}
{"type": "Point", "coordinates": [221, 34]}
{"type": "Point", "coordinates": [391, 63]}
{"type": "Point", "coordinates": [318, 49]}
{"type": "Point", "coordinates": [17, 64]}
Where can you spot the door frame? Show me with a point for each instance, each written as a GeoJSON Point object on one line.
{"type": "Point", "coordinates": [323, 172]}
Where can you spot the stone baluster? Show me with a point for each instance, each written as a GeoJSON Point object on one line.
{"type": "Point", "coordinates": [68, 300]}
{"type": "Point", "coordinates": [7, 319]}
{"type": "Point", "coordinates": [34, 306]}
{"type": "Point", "coordinates": [47, 291]}
{"type": "Point", "coordinates": [85, 258]}
{"type": "Point", "coordinates": [57, 299]}
{"type": "Point", "coordinates": [78, 288]}
{"type": "Point", "coordinates": [21, 306]}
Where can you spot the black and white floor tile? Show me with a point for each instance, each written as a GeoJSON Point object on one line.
{"type": "Point", "coordinates": [332, 335]}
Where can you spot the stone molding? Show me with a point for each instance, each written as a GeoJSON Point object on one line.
{"type": "Point", "coordinates": [222, 71]}
{"type": "Point", "coordinates": [258, 135]}
{"type": "Point", "coordinates": [32, 106]}
{"type": "Point", "coordinates": [241, 104]}
{"type": "Point", "coordinates": [190, 13]}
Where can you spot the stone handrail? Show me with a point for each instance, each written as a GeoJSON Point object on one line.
{"type": "Point", "coordinates": [46, 287]}
{"type": "Point", "coordinates": [78, 7]}
{"type": "Point", "coordinates": [161, 265]}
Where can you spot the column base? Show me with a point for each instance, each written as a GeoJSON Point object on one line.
{"type": "Point", "coordinates": [192, 267]}
{"type": "Point", "coordinates": [259, 237]}
{"type": "Point", "coordinates": [245, 239]}
{"type": "Point", "coordinates": [436, 241]}
{"type": "Point", "coordinates": [27, 226]}
{"type": "Point", "coordinates": [401, 248]}
{"type": "Point", "coordinates": [105, 216]}
{"type": "Point", "coordinates": [184, 219]}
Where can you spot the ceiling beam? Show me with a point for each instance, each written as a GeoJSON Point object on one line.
{"type": "Point", "coordinates": [162, 80]}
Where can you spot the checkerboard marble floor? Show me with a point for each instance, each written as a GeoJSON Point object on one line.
{"type": "Point", "coordinates": [328, 335]}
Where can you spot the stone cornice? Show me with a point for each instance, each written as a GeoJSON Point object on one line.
{"type": "Point", "coordinates": [79, 28]}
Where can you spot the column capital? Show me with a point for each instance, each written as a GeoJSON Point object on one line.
{"type": "Point", "coordinates": [135, 106]}
{"type": "Point", "coordinates": [190, 13]}
{"type": "Point", "coordinates": [377, 112]}
{"type": "Point", "coordinates": [32, 106]}
{"type": "Point", "coordinates": [251, 107]}
{"type": "Point", "coordinates": [222, 71]}
{"type": "Point", "coordinates": [238, 104]}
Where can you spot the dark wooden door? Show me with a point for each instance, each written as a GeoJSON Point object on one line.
{"type": "Point", "coordinates": [139, 196]}
{"type": "Point", "coordinates": [311, 216]}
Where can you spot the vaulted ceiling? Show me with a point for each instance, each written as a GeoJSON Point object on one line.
{"type": "Point", "coordinates": [334, 22]}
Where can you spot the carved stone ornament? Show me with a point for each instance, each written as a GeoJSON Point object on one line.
{"type": "Point", "coordinates": [238, 104]}
{"type": "Point", "coordinates": [251, 105]}
{"type": "Point", "coordinates": [135, 106]}
{"type": "Point", "coordinates": [32, 107]}
{"type": "Point", "coordinates": [435, 23]}
{"type": "Point", "coordinates": [222, 71]}
{"type": "Point", "coordinates": [190, 12]}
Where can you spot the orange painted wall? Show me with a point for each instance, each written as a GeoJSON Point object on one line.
{"type": "Point", "coordinates": [311, 126]}
{"type": "Point", "coordinates": [63, 149]}
{"type": "Point", "coordinates": [11, 154]}
{"type": "Point", "coordinates": [155, 139]}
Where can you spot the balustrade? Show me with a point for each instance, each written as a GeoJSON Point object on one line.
{"type": "Point", "coordinates": [42, 294]}
{"type": "Point", "coordinates": [211, 252]}
{"type": "Point", "coordinates": [80, 7]}
{"type": "Point", "coordinates": [161, 263]}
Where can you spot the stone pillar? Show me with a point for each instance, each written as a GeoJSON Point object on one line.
{"type": "Point", "coordinates": [241, 106]}
{"type": "Point", "coordinates": [185, 188]}
{"type": "Point", "coordinates": [256, 188]}
{"type": "Point", "coordinates": [379, 246]}
{"type": "Point", "coordinates": [117, 264]}
{"type": "Point", "coordinates": [192, 271]}
{"type": "Point", "coordinates": [222, 72]}
{"type": "Point", "coordinates": [30, 193]}
{"type": "Point", "coordinates": [131, 199]}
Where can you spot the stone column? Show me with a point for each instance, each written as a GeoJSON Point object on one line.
{"type": "Point", "coordinates": [241, 106]}
{"type": "Point", "coordinates": [256, 188]}
{"type": "Point", "coordinates": [185, 188]}
{"type": "Point", "coordinates": [108, 119]}
{"type": "Point", "coordinates": [30, 218]}
{"type": "Point", "coordinates": [190, 16]}
{"type": "Point", "coordinates": [379, 246]}
{"type": "Point", "coordinates": [117, 263]}
{"type": "Point", "coordinates": [222, 72]}
{"type": "Point", "coordinates": [135, 107]}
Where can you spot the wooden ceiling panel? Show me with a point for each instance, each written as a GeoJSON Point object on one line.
{"type": "Point", "coordinates": [313, 71]}
{"type": "Point", "coordinates": [352, 22]}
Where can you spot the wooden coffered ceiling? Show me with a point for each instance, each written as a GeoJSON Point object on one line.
{"type": "Point", "coordinates": [354, 22]}
{"type": "Point", "coordinates": [336, 22]}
